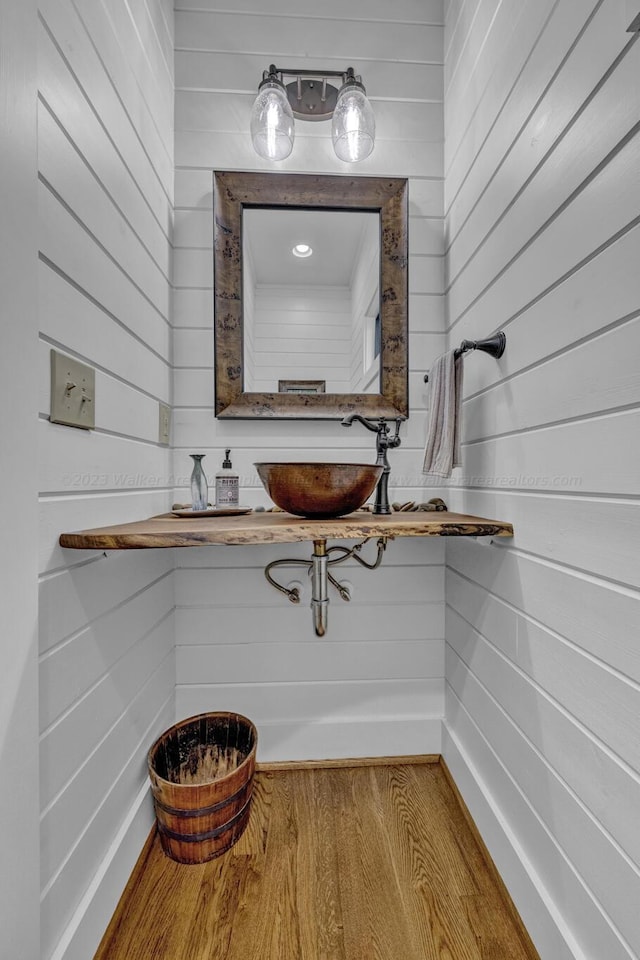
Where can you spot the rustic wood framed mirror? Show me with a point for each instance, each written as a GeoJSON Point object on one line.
{"type": "Point", "coordinates": [265, 333]}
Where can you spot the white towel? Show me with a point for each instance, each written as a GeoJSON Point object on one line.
{"type": "Point", "coordinates": [442, 451]}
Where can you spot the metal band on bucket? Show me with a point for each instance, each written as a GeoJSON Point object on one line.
{"type": "Point", "coordinates": [209, 834]}
{"type": "Point", "coordinates": [202, 811]}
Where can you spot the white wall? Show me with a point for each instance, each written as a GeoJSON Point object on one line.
{"type": "Point", "coordinates": [542, 160]}
{"type": "Point", "coordinates": [374, 686]}
{"type": "Point", "coordinates": [18, 485]}
{"type": "Point", "coordinates": [107, 670]}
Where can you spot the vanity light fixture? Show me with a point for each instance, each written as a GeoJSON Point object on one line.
{"type": "Point", "coordinates": [302, 250]}
{"type": "Point", "coordinates": [310, 97]}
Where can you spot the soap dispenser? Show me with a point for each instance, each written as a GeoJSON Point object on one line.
{"type": "Point", "coordinates": [227, 485]}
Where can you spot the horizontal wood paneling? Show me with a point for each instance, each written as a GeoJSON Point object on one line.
{"type": "Point", "coordinates": [539, 40]}
{"type": "Point", "coordinates": [573, 235]}
{"type": "Point", "coordinates": [396, 584]}
{"type": "Point", "coordinates": [573, 153]}
{"type": "Point", "coordinates": [72, 598]}
{"type": "Point", "coordinates": [280, 661]}
{"type": "Point", "coordinates": [309, 702]}
{"type": "Point", "coordinates": [191, 425]}
{"type": "Point", "coordinates": [73, 252]}
{"type": "Point", "coordinates": [78, 870]}
{"type": "Point", "coordinates": [75, 666]}
{"type": "Point", "coordinates": [580, 384]}
{"type": "Point", "coordinates": [413, 11]}
{"type": "Point", "coordinates": [71, 319]}
{"type": "Point", "coordinates": [311, 155]}
{"type": "Point", "coordinates": [606, 787]}
{"type": "Point", "coordinates": [469, 39]}
{"type": "Point", "coordinates": [76, 49]}
{"type": "Point", "coordinates": [98, 461]}
{"type": "Point", "coordinates": [60, 165]}
{"type": "Point", "coordinates": [554, 184]}
{"type": "Point", "coordinates": [343, 37]}
{"type": "Point", "coordinates": [542, 666]}
{"type": "Point", "coordinates": [595, 536]}
{"type": "Point", "coordinates": [381, 623]}
{"type": "Point", "coordinates": [578, 607]}
{"type": "Point", "coordinates": [102, 768]}
{"type": "Point", "coordinates": [562, 457]}
{"type": "Point", "coordinates": [19, 887]}
{"type": "Point", "coordinates": [141, 87]}
{"type": "Point", "coordinates": [565, 673]}
{"type": "Point", "coordinates": [78, 732]}
{"type": "Point", "coordinates": [63, 96]}
{"type": "Point", "coordinates": [123, 410]}
{"type": "Point", "coordinates": [152, 72]}
{"type": "Point", "coordinates": [393, 626]}
{"type": "Point", "coordinates": [107, 667]}
{"type": "Point", "coordinates": [587, 301]}
{"type": "Point", "coordinates": [210, 111]}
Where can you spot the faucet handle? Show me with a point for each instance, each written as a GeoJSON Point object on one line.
{"type": "Point", "coordinates": [395, 441]}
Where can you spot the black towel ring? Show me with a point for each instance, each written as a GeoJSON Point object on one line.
{"type": "Point", "coordinates": [494, 346]}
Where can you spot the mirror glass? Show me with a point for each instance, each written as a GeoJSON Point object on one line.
{"type": "Point", "coordinates": [322, 334]}
{"type": "Point", "coordinates": [311, 297]}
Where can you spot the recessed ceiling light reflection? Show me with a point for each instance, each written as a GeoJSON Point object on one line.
{"type": "Point", "coordinates": [302, 250]}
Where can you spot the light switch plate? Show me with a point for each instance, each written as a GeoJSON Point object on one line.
{"type": "Point", "coordinates": [164, 423]}
{"type": "Point", "coordinates": [73, 392]}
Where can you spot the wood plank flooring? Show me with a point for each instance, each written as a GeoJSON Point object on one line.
{"type": "Point", "coordinates": [370, 862]}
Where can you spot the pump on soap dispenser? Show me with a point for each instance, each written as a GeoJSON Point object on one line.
{"type": "Point", "coordinates": [227, 484]}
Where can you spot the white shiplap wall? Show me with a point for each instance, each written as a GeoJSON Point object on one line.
{"type": "Point", "coordinates": [542, 666]}
{"type": "Point", "coordinates": [374, 686]}
{"type": "Point", "coordinates": [107, 667]}
{"type": "Point", "coordinates": [19, 886]}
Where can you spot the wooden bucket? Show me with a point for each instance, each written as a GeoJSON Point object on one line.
{"type": "Point", "coordinates": [201, 772]}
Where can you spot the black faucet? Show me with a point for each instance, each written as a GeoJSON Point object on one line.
{"type": "Point", "coordinates": [383, 442]}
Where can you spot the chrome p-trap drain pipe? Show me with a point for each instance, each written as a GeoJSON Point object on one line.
{"type": "Point", "coordinates": [319, 587]}
{"type": "Point", "coordinates": [321, 577]}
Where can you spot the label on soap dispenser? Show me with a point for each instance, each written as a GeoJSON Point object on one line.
{"type": "Point", "coordinates": [227, 491]}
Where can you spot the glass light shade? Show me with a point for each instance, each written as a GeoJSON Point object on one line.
{"type": "Point", "coordinates": [353, 128]}
{"type": "Point", "coordinates": [272, 122]}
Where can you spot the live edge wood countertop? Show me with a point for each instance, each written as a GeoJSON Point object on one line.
{"type": "Point", "coordinates": [167, 530]}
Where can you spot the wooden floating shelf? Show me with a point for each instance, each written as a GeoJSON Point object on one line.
{"type": "Point", "coordinates": [167, 530]}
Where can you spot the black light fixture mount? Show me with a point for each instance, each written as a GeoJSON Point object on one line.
{"type": "Point", "coordinates": [310, 96]}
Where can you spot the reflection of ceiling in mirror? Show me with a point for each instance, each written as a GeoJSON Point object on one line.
{"type": "Point", "coordinates": [335, 236]}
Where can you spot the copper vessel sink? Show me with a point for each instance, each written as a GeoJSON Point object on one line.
{"type": "Point", "coordinates": [319, 490]}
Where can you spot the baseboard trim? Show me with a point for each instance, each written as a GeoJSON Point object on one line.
{"type": "Point", "coordinates": [277, 765]}
{"type": "Point", "coordinates": [104, 895]}
{"type": "Point", "coordinates": [132, 883]}
{"type": "Point", "coordinates": [527, 942]}
{"type": "Point", "coordinates": [349, 738]}
{"type": "Point", "coordinates": [538, 916]}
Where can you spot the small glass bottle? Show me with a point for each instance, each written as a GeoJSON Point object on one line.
{"type": "Point", "coordinates": [227, 484]}
{"type": "Point", "coordinates": [199, 488]}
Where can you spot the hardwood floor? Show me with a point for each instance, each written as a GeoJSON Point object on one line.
{"type": "Point", "coordinates": [370, 862]}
